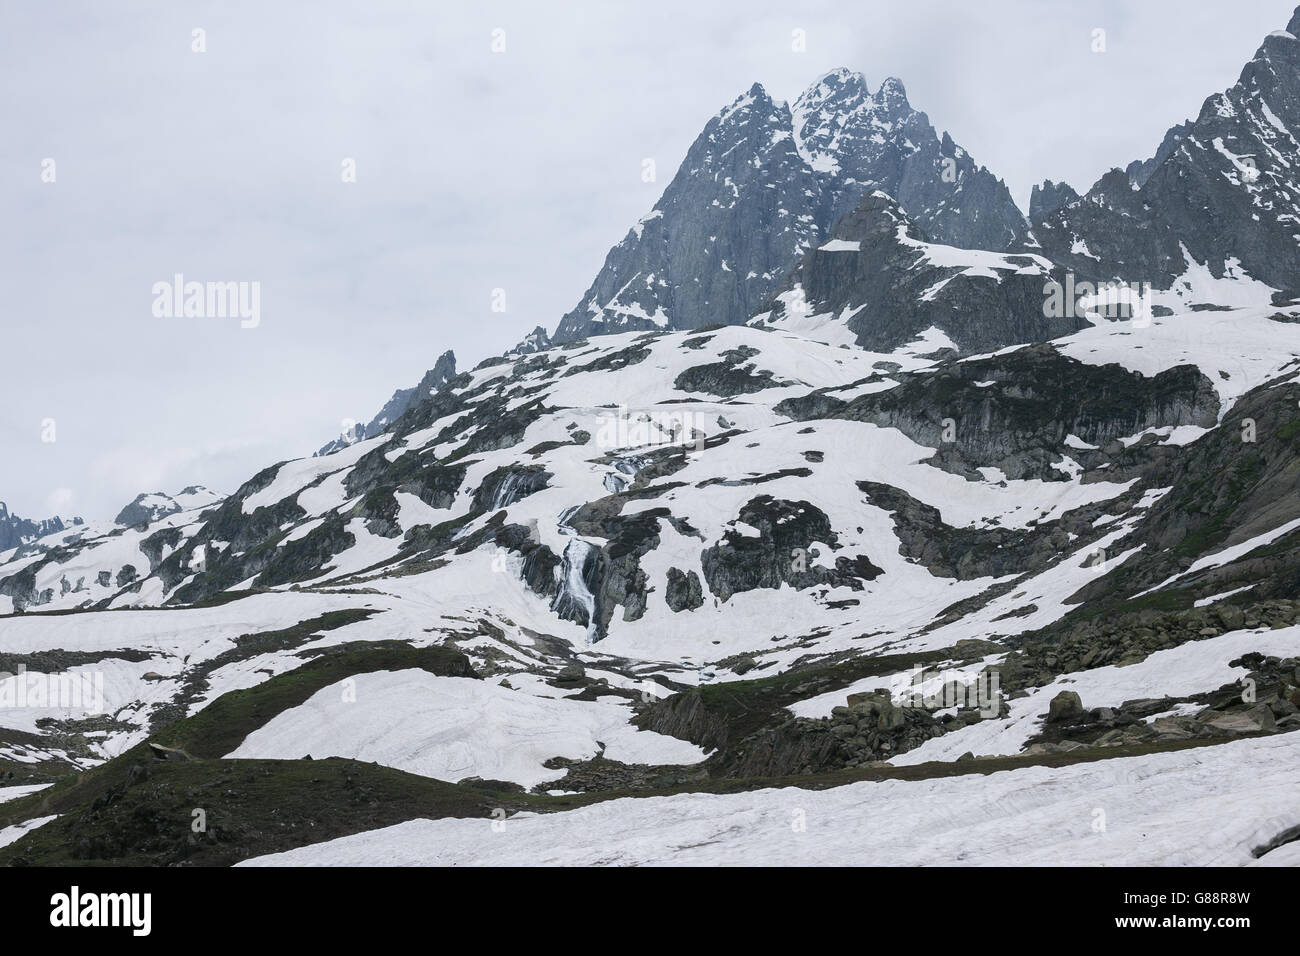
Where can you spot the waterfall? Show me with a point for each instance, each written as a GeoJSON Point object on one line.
{"type": "Point", "coordinates": [504, 495]}
{"type": "Point", "coordinates": [574, 599]}
{"type": "Point", "coordinates": [615, 483]}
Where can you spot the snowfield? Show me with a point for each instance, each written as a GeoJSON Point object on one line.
{"type": "Point", "coordinates": [1201, 807]}
{"type": "Point", "coordinates": [453, 727]}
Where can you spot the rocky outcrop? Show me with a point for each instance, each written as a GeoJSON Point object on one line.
{"type": "Point", "coordinates": [1266, 700]}
{"type": "Point", "coordinates": [1015, 411]}
{"type": "Point", "coordinates": [683, 591]}
{"type": "Point", "coordinates": [504, 486]}
{"type": "Point", "coordinates": [779, 545]}
{"type": "Point", "coordinates": [879, 279]}
{"type": "Point", "coordinates": [151, 506]}
{"type": "Point", "coordinates": [1049, 197]}
{"type": "Point", "coordinates": [734, 375]}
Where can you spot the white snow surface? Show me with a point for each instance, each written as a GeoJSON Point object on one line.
{"type": "Point", "coordinates": [1204, 806]}
{"type": "Point", "coordinates": [456, 727]}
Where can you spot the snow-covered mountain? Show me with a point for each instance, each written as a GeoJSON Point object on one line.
{"type": "Point", "coordinates": [94, 564]}
{"type": "Point", "coordinates": [1221, 194]}
{"type": "Point", "coordinates": [16, 531]}
{"type": "Point", "coordinates": [148, 507]}
{"type": "Point", "coordinates": [764, 182]}
{"type": "Point", "coordinates": [894, 521]}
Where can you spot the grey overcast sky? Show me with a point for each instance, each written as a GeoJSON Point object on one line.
{"type": "Point", "coordinates": [475, 171]}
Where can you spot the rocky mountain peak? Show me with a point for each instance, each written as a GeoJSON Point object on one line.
{"type": "Point", "coordinates": [838, 88]}
{"type": "Point", "coordinates": [535, 341]}
{"type": "Point", "coordinates": [16, 530]}
{"type": "Point", "coordinates": [892, 95]}
{"type": "Point", "coordinates": [765, 182]}
{"type": "Point", "coordinates": [150, 506]}
{"type": "Point", "coordinates": [1049, 197]}
{"type": "Point", "coordinates": [1221, 194]}
{"type": "Point", "coordinates": [753, 104]}
{"type": "Point", "coordinates": [878, 216]}
{"type": "Point", "coordinates": [443, 371]}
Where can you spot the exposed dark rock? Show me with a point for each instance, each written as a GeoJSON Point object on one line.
{"type": "Point", "coordinates": [878, 275]}
{"type": "Point", "coordinates": [783, 552]}
{"type": "Point", "coordinates": [1065, 707]}
{"type": "Point", "coordinates": [683, 592]}
{"type": "Point", "coordinates": [1015, 412]}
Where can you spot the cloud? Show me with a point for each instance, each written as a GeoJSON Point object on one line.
{"type": "Point", "coordinates": [61, 501]}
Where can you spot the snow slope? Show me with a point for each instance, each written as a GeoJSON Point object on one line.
{"type": "Point", "coordinates": [452, 727]}
{"type": "Point", "coordinates": [1199, 807]}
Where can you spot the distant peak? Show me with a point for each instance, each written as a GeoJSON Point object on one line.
{"type": "Point", "coordinates": [1048, 197]}
{"type": "Point", "coordinates": [840, 78]}
{"type": "Point", "coordinates": [892, 91]}
{"type": "Point", "coordinates": [1293, 27]}
{"type": "Point", "coordinates": [840, 84]}
{"type": "Point", "coordinates": [755, 94]}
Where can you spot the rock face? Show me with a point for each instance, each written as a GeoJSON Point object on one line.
{"type": "Point", "coordinates": [775, 545]}
{"type": "Point", "coordinates": [1016, 412]}
{"type": "Point", "coordinates": [16, 531]}
{"type": "Point", "coordinates": [1049, 197]}
{"type": "Point", "coordinates": [740, 209]}
{"type": "Point", "coordinates": [1139, 171]}
{"type": "Point", "coordinates": [443, 371]}
{"type": "Point", "coordinates": [879, 282]}
{"type": "Point", "coordinates": [1223, 190]}
{"type": "Point", "coordinates": [535, 341]}
{"type": "Point", "coordinates": [765, 182]}
{"type": "Point", "coordinates": [734, 375]}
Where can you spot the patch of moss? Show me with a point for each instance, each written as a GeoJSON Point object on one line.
{"type": "Point", "coordinates": [138, 811]}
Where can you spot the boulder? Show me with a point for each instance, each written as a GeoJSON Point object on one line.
{"type": "Point", "coordinates": [1065, 706]}
{"type": "Point", "coordinates": [572, 672]}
